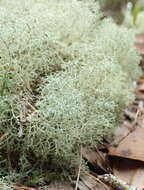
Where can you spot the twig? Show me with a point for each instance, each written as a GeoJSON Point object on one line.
{"type": "Point", "coordinates": [3, 136]}
{"type": "Point", "coordinates": [101, 182]}
{"type": "Point", "coordinates": [79, 171]}
{"type": "Point", "coordinates": [17, 187]}
{"type": "Point", "coordinates": [94, 176]}
{"type": "Point", "coordinates": [116, 183]}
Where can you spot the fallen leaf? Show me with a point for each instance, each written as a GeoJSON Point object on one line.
{"type": "Point", "coordinates": [119, 134]}
{"type": "Point", "coordinates": [127, 152]}
{"type": "Point", "coordinates": [123, 168]}
{"type": "Point", "coordinates": [130, 171]}
{"type": "Point", "coordinates": [140, 88]}
{"type": "Point", "coordinates": [128, 126]}
{"type": "Point", "coordinates": [129, 114]}
{"type": "Point", "coordinates": [140, 80]}
{"type": "Point", "coordinates": [139, 43]}
{"type": "Point", "coordinates": [131, 146]}
{"type": "Point", "coordinates": [82, 186]}
{"type": "Point", "coordinates": [97, 158]}
{"type": "Point", "coordinates": [140, 47]}
{"type": "Point", "coordinates": [138, 178]}
{"type": "Point", "coordinates": [89, 182]}
{"type": "Point", "coordinates": [140, 37]}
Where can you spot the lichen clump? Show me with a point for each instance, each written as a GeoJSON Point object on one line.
{"type": "Point", "coordinates": [65, 77]}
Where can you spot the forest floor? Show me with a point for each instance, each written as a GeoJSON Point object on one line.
{"type": "Point", "coordinates": [119, 163]}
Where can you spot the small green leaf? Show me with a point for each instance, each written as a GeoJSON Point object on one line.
{"type": "Point", "coordinates": [136, 10]}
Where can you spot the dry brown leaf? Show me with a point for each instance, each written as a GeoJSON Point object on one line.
{"type": "Point", "coordinates": [140, 47]}
{"type": "Point", "coordinates": [139, 44]}
{"type": "Point", "coordinates": [130, 171]}
{"type": "Point", "coordinates": [139, 92]}
{"type": "Point", "coordinates": [123, 168]}
{"type": "Point", "coordinates": [140, 88]}
{"type": "Point", "coordinates": [89, 182]}
{"type": "Point", "coordinates": [140, 37]}
{"type": "Point", "coordinates": [119, 134]}
{"type": "Point", "coordinates": [140, 80]}
{"type": "Point", "coordinates": [129, 114]}
{"type": "Point", "coordinates": [131, 146]}
{"type": "Point", "coordinates": [128, 125]}
{"type": "Point", "coordinates": [127, 152]}
{"type": "Point", "coordinates": [139, 96]}
{"type": "Point", "coordinates": [97, 158]}
{"type": "Point", "coordinates": [93, 183]}
{"type": "Point", "coordinates": [132, 115]}
{"type": "Point", "coordinates": [138, 178]}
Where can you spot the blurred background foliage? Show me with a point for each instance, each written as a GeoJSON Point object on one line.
{"type": "Point", "coordinates": [127, 12]}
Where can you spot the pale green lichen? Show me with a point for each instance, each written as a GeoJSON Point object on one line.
{"type": "Point", "coordinates": [75, 69]}
{"type": "Point", "coordinates": [4, 181]}
{"type": "Point", "coordinates": [78, 109]}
